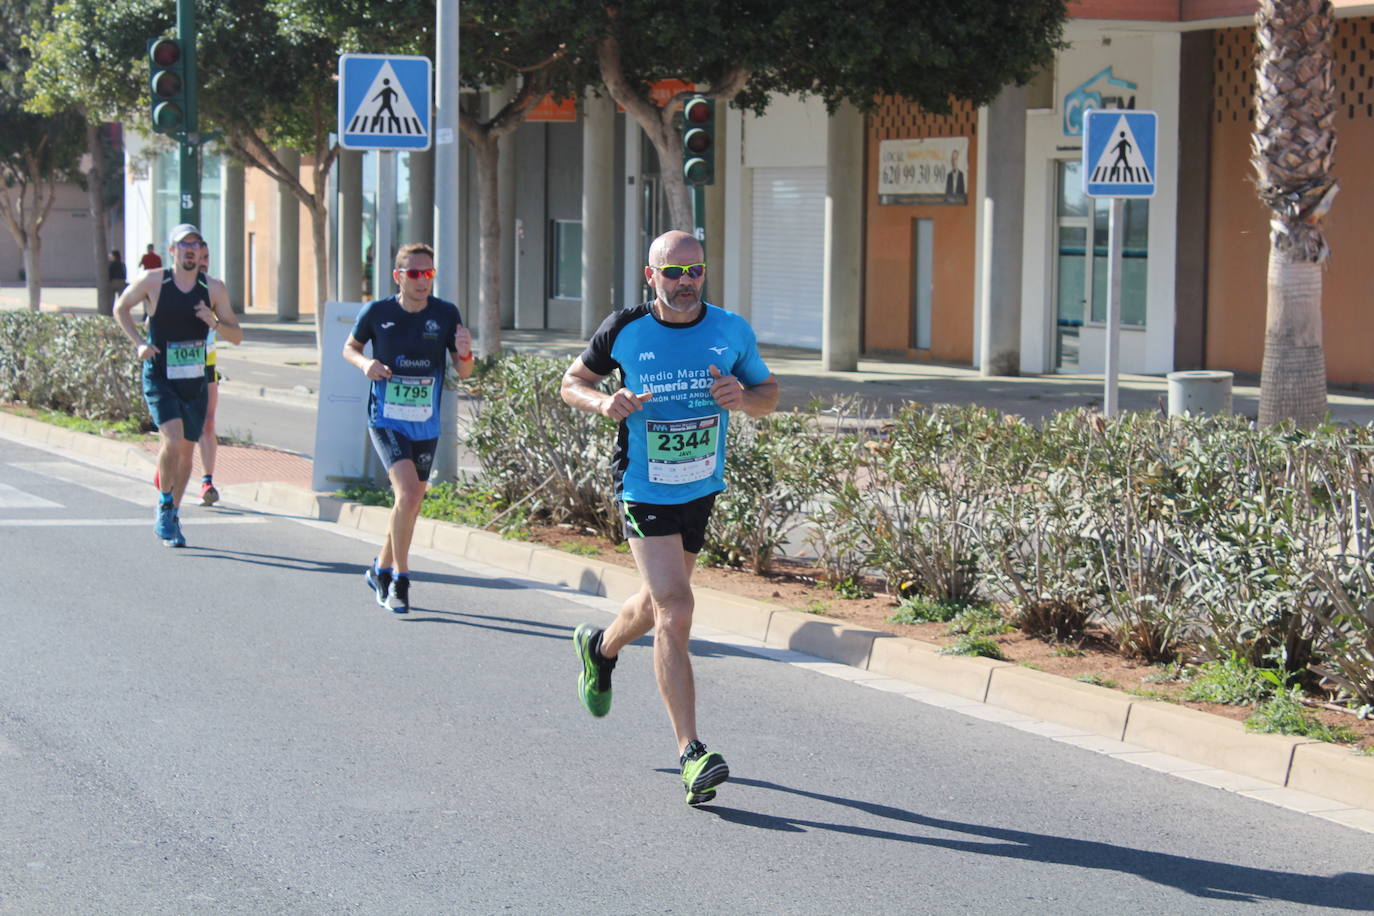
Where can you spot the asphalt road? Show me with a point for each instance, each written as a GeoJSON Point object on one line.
{"type": "Point", "coordinates": [236, 727]}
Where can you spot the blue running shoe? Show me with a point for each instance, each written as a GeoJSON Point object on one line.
{"type": "Point", "coordinates": [177, 539]}
{"type": "Point", "coordinates": [164, 521]}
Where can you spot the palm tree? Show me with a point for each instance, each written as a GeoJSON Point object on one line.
{"type": "Point", "coordinates": [1294, 144]}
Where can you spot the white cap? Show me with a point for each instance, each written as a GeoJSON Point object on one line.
{"type": "Point", "coordinates": [181, 231]}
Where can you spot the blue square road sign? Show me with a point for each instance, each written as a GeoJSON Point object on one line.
{"type": "Point", "coordinates": [1119, 153]}
{"type": "Point", "coordinates": [385, 101]}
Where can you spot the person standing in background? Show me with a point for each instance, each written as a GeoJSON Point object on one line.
{"type": "Point", "coordinates": [151, 260]}
{"type": "Point", "coordinates": [117, 274]}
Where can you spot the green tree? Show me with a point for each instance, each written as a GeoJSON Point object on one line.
{"type": "Point", "coordinates": [266, 72]}
{"type": "Point", "coordinates": [745, 50]}
{"type": "Point", "coordinates": [1294, 146]}
{"type": "Point", "coordinates": [38, 152]}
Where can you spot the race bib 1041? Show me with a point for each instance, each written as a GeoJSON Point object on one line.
{"type": "Point", "coordinates": [186, 359]}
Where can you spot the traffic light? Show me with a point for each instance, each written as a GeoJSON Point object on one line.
{"type": "Point", "coordinates": [168, 85]}
{"type": "Point", "coordinates": [699, 140]}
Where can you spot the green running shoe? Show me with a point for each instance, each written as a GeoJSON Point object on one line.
{"type": "Point", "coordinates": [702, 771]}
{"type": "Point", "coordinates": [594, 683]}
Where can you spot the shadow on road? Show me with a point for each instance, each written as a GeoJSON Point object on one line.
{"type": "Point", "coordinates": [1199, 877]}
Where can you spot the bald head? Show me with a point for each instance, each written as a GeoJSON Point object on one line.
{"type": "Point", "coordinates": [675, 247]}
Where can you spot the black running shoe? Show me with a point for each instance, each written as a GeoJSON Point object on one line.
{"type": "Point", "coordinates": [379, 582]}
{"type": "Point", "coordinates": [702, 771]}
{"type": "Point", "coordinates": [398, 598]}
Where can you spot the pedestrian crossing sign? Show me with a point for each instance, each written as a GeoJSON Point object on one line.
{"type": "Point", "coordinates": [384, 101]}
{"type": "Point", "coordinates": [1119, 153]}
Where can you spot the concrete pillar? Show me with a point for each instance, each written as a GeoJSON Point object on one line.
{"type": "Point", "coordinates": [448, 208]}
{"type": "Point", "coordinates": [421, 168]}
{"type": "Point", "coordinates": [233, 269]}
{"type": "Point", "coordinates": [598, 210]}
{"type": "Point", "coordinates": [1004, 183]}
{"type": "Point", "coordinates": [350, 226]}
{"type": "Point", "coordinates": [843, 273]}
{"type": "Point", "coordinates": [288, 286]}
{"type": "Point", "coordinates": [505, 191]}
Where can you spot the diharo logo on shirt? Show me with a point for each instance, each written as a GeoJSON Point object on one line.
{"type": "Point", "coordinates": [388, 324]}
{"type": "Point", "coordinates": [406, 362]}
{"type": "Point", "coordinates": [647, 354]}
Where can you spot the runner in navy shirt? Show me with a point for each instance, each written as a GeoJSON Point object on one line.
{"type": "Point", "coordinates": [183, 306]}
{"type": "Point", "coordinates": [411, 333]}
{"type": "Point", "coordinates": [684, 365]}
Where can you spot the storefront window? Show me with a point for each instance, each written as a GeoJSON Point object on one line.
{"type": "Point", "coordinates": [567, 259]}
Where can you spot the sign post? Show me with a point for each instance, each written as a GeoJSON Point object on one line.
{"type": "Point", "coordinates": [1118, 163]}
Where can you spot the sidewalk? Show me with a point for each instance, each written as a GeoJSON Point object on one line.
{"type": "Point", "coordinates": [289, 347]}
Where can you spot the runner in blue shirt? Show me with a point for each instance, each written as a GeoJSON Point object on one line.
{"type": "Point", "coordinates": [410, 334]}
{"type": "Point", "coordinates": [684, 365]}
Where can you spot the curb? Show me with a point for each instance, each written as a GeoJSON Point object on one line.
{"type": "Point", "coordinates": [1311, 767]}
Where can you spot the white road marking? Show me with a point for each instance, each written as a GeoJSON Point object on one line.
{"type": "Point", "coordinates": [192, 522]}
{"type": "Point", "coordinates": [117, 486]}
{"type": "Point", "coordinates": [15, 498]}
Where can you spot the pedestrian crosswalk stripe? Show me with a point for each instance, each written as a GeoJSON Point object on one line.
{"type": "Point", "coordinates": [140, 493]}
{"type": "Point", "coordinates": [15, 498]}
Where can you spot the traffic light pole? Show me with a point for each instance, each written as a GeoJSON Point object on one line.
{"type": "Point", "coordinates": [190, 139]}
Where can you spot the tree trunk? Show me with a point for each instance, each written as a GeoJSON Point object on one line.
{"type": "Point", "coordinates": [658, 124]}
{"type": "Point", "coordinates": [1294, 147]}
{"type": "Point", "coordinates": [95, 193]}
{"type": "Point", "coordinates": [319, 234]}
{"type": "Point", "coordinates": [33, 272]}
{"type": "Point", "coordinates": [488, 153]}
{"type": "Point", "coordinates": [1293, 383]}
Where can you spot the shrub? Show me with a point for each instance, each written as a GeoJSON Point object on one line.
{"type": "Point", "coordinates": [1233, 681]}
{"type": "Point", "coordinates": [538, 452]}
{"type": "Point", "coordinates": [79, 365]}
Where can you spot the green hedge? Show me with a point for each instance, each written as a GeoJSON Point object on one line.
{"type": "Point", "coordinates": [79, 365]}
{"type": "Point", "coordinates": [1185, 537]}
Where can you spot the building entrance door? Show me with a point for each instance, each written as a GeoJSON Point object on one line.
{"type": "Point", "coordinates": [1080, 265]}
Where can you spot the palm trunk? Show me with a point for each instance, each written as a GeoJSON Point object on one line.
{"type": "Point", "coordinates": [319, 234]}
{"type": "Point", "coordinates": [1294, 373]}
{"type": "Point", "coordinates": [1294, 146]}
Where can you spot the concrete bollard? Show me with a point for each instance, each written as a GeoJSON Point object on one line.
{"type": "Point", "coordinates": [1199, 391]}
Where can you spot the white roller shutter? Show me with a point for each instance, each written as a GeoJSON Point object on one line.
{"type": "Point", "coordinates": [788, 242]}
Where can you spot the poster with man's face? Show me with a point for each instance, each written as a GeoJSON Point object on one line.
{"type": "Point", "coordinates": [926, 171]}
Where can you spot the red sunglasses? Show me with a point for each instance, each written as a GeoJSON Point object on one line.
{"type": "Point", "coordinates": [416, 273]}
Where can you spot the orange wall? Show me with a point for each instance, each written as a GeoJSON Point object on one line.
{"type": "Point", "coordinates": [888, 240]}
{"type": "Point", "coordinates": [1239, 225]}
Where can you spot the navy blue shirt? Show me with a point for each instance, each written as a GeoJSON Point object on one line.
{"type": "Point", "coordinates": [412, 345]}
{"type": "Point", "coordinates": [673, 451]}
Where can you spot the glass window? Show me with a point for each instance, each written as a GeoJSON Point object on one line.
{"type": "Point", "coordinates": [1135, 250]}
{"type": "Point", "coordinates": [567, 259]}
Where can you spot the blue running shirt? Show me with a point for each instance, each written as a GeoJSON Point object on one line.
{"type": "Point", "coordinates": [412, 345]}
{"type": "Point", "coordinates": [673, 451]}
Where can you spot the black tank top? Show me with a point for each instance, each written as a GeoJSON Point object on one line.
{"type": "Point", "coordinates": [179, 335]}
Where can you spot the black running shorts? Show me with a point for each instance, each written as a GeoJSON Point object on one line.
{"type": "Point", "coordinates": [392, 447]}
{"type": "Point", "coordinates": [649, 520]}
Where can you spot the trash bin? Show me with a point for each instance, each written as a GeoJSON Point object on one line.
{"type": "Point", "coordinates": [1199, 391]}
